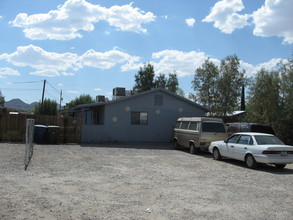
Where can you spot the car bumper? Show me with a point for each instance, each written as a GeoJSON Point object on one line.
{"type": "Point", "coordinates": [273, 159]}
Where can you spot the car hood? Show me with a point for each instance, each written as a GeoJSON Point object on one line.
{"type": "Point", "coordinates": [217, 142]}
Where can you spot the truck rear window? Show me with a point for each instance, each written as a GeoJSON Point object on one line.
{"type": "Point", "coordinates": [213, 127]}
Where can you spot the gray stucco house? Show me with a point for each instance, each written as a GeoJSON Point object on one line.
{"type": "Point", "coordinates": [145, 117]}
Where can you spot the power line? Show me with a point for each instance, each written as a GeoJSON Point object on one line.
{"type": "Point", "coordinates": [21, 89]}
{"type": "Point", "coordinates": [58, 91]}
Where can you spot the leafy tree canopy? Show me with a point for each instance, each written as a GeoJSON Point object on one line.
{"type": "Point", "coordinates": [49, 107]}
{"type": "Point", "coordinates": [2, 99]}
{"type": "Point", "coordinates": [144, 79]}
{"type": "Point", "coordinates": [82, 99]}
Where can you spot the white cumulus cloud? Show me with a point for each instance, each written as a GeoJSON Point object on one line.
{"type": "Point", "coordinates": [275, 18]}
{"type": "Point", "coordinates": [190, 22]}
{"type": "Point", "coordinates": [75, 16]}
{"type": "Point", "coordinates": [54, 64]}
{"type": "Point", "coordinates": [184, 63]}
{"type": "Point", "coordinates": [40, 59]}
{"type": "Point", "coordinates": [225, 17]}
{"type": "Point", "coordinates": [104, 60]}
{"type": "Point", "coordinates": [8, 71]}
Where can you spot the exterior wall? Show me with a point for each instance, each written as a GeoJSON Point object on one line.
{"type": "Point", "coordinates": [161, 119]}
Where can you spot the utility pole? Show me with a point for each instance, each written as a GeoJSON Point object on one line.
{"type": "Point", "coordinates": [60, 99]}
{"type": "Point", "coordinates": [44, 86]}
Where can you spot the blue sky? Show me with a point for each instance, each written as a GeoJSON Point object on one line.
{"type": "Point", "coordinates": [93, 46]}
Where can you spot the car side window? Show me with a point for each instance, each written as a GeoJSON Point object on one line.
{"type": "Point", "coordinates": [244, 139]}
{"type": "Point", "coordinates": [193, 126]}
{"type": "Point", "coordinates": [233, 139]}
{"type": "Point", "coordinates": [178, 123]}
{"type": "Point", "coordinates": [184, 125]}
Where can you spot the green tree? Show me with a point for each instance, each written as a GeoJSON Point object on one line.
{"type": "Point", "coordinates": [229, 86]}
{"type": "Point", "coordinates": [172, 83]}
{"type": "Point", "coordinates": [205, 84]}
{"type": "Point", "coordinates": [49, 107]}
{"type": "Point", "coordinates": [144, 79]}
{"type": "Point", "coordinates": [284, 120]}
{"type": "Point", "coordinates": [286, 89]}
{"type": "Point", "coordinates": [82, 99]}
{"type": "Point", "coordinates": [2, 100]}
{"type": "Point", "coordinates": [264, 97]}
{"type": "Point", "coordinates": [161, 81]}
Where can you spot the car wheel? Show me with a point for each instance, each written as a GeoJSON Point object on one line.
{"type": "Point", "coordinates": [216, 154]}
{"type": "Point", "coordinates": [250, 162]}
{"type": "Point", "coordinates": [192, 149]}
{"type": "Point", "coordinates": [280, 166]}
{"type": "Point", "coordinates": [176, 145]}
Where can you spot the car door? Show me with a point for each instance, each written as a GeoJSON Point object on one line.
{"type": "Point", "coordinates": [241, 147]}
{"type": "Point", "coordinates": [228, 149]}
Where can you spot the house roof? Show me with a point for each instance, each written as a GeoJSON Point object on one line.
{"type": "Point", "coordinates": [90, 105]}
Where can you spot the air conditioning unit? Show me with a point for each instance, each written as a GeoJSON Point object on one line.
{"type": "Point", "coordinates": [100, 98]}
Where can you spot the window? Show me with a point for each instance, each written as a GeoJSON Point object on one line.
{"type": "Point", "coordinates": [193, 126]}
{"type": "Point", "coordinates": [184, 124]}
{"type": "Point", "coordinates": [233, 139]}
{"type": "Point", "coordinates": [158, 100]}
{"type": "Point", "coordinates": [178, 123]}
{"type": "Point", "coordinates": [213, 127]}
{"type": "Point", "coordinates": [244, 139]}
{"type": "Point", "coordinates": [263, 139]}
{"type": "Point", "coordinates": [139, 118]}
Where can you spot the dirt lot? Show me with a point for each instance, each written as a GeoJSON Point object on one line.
{"type": "Point", "coordinates": [137, 182]}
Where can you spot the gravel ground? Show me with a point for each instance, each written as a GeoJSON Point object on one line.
{"type": "Point", "coordinates": [149, 181]}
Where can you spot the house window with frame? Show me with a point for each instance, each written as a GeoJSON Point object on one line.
{"type": "Point", "coordinates": [139, 118]}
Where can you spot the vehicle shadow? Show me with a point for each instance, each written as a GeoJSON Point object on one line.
{"type": "Point", "coordinates": [201, 153]}
{"type": "Point", "coordinates": [261, 167]}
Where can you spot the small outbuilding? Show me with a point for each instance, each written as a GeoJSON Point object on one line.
{"type": "Point", "coordinates": [145, 117]}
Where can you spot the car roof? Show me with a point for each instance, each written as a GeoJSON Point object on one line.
{"type": "Point", "coordinates": [254, 133]}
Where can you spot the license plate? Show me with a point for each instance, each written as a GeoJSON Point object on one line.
{"type": "Point", "coordinates": [284, 153]}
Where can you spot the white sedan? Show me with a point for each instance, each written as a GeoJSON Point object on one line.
{"type": "Point", "coordinates": [253, 148]}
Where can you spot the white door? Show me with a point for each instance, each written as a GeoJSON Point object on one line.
{"type": "Point", "coordinates": [228, 149]}
{"type": "Point", "coordinates": [241, 147]}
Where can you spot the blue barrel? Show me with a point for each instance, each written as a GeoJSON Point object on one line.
{"type": "Point", "coordinates": [40, 134]}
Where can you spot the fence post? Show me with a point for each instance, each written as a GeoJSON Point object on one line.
{"type": "Point", "coordinates": [29, 138]}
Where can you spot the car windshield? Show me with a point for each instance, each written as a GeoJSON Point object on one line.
{"type": "Point", "coordinates": [213, 127]}
{"type": "Point", "coordinates": [262, 140]}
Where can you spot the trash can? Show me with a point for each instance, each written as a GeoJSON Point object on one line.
{"type": "Point", "coordinates": [53, 134]}
{"type": "Point", "coordinates": [40, 134]}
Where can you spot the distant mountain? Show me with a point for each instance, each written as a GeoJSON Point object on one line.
{"type": "Point", "coordinates": [18, 104]}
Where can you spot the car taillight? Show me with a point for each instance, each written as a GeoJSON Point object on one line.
{"type": "Point", "coordinates": [271, 152]}
{"type": "Point", "coordinates": [290, 152]}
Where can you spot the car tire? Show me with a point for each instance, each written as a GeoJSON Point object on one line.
{"type": "Point", "coordinates": [250, 161]}
{"type": "Point", "coordinates": [193, 149]}
{"type": "Point", "coordinates": [280, 166]}
{"type": "Point", "coordinates": [216, 154]}
{"type": "Point", "coordinates": [176, 145]}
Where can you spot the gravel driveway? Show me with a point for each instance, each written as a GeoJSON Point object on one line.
{"type": "Point", "coordinates": [149, 181]}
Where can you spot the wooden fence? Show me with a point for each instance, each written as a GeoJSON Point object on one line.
{"type": "Point", "coordinates": [13, 127]}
